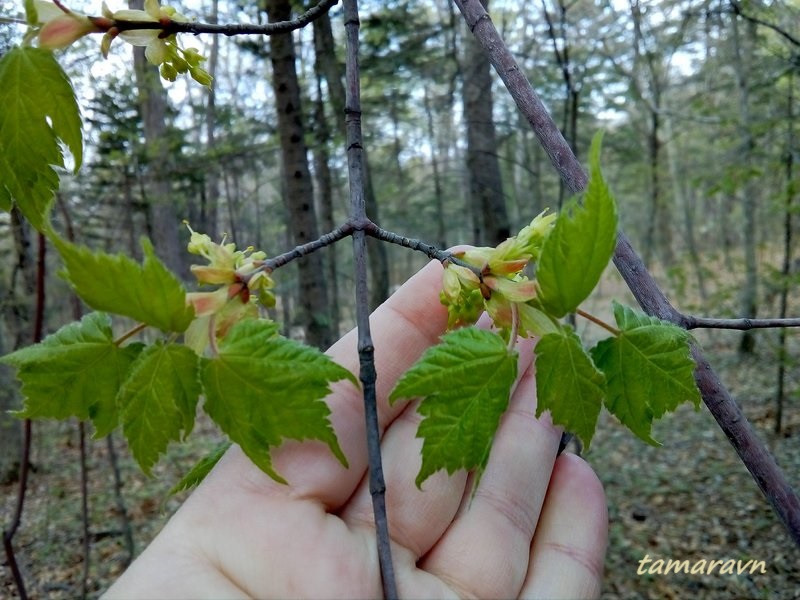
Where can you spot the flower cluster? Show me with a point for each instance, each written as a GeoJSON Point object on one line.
{"type": "Point", "coordinates": [496, 284]}
{"type": "Point", "coordinates": [60, 27]}
{"type": "Point", "coordinates": [162, 51]}
{"type": "Point", "coordinates": [241, 280]}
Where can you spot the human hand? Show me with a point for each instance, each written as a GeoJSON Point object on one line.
{"type": "Point", "coordinates": [535, 528]}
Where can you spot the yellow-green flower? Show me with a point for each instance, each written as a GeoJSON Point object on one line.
{"type": "Point", "coordinates": [497, 284]}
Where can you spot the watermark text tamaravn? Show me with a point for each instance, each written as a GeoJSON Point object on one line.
{"type": "Point", "coordinates": [700, 567]}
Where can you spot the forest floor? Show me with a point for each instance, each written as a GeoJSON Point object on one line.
{"type": "Point", "coordinates": [690, 500]}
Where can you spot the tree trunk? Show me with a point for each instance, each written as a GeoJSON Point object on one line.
{"type": "Point", "coordinates": [299, 196]}
{"type": "Point", "coordinates": [681, 198]}
{"type": "Point", "coordinates": [325, 193]}
{"type": "Point", "coordinates": [163, 218]}
{"type": "Point", "coordinates": [569, 126]}
{"type": "Point", "coordinates": [377, 253]}
{"type": "Point", "coordinates": [208, 209]}
{"type": "Point", "coordinates": [749, 293]}
{"type": "Point", "coordinates": [18, 318]}
{"type": "Point", "coordinates": [438, 195]}
{"type": "Point", "coordinates": [483, 167]}
{"type": "Point", "coordinates": [10, 426]}
{"type": "Point", "coordinates": [786, 266]}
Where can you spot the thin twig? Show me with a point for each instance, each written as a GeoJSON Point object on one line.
{"type": "Point", "coordinates": [514, 333]}
{"type": "Point", "coordinates": [598, 322]}
{"type": "Point", "coordinates": [337, 234]}
{"type": "Point", "coordinates": [762, 466]}
{"type": "Point", "coordinates": [171, 27]}
{"type": "Point", "coordinates": [432, 252]}
{"type": "Point", "coordinates": [736, 8]}
{"type": "Point", "coordinates": [692, 322]}
{"type": "Point", "coordinates": [127, 530]}
{"type": "Point", "coordinates": [130, 333]}
{"type": "Point", "coordinates": [8, 534]}
{"type": "Point", "coordinates": [368, 227]}
{"type": "Point", "coordinates": [366, 350]}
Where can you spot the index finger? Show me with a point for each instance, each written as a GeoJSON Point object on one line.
{"type": "Point", "coordinates": [403, 327]}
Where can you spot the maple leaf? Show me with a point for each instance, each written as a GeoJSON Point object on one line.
{"type": "Point", "coordinates": [75, 372]}
{"type": "Point", "coordinates": [648, 369]}
{"type": "Point", "coordinates": [568, 384]}
{"type": "Point", "coordinates": [263, 388]}
{"type": "Point", "coordinates": [465, 384]}
{"type": "Point", "coordinates": [148, 293]}
{"type": "Point", "coordinates": [580, 245]}
{"type": "Point", "coordinates": [39, 110]}
{"type": "Point", "coordinates": [158, 400]}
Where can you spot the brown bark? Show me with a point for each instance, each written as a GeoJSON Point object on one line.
{"type": "Point", "coordinates": [483, 168]}
{"type": "Point", "coordinates": [17, 318]}
{"type": "Point", "coordinates": [210, 200]}
{"type": "Point", "coordinates": [10, 426]}
{"type": "Point", "coordinates": [325, 190]}
{"type": "Point", "coordinates": [788, 245]}
{"type": "Point", "coordinates": [299, 196]}
{"type": "Point", "coordinates": [164, 224]}
{"type": "Point", "coordinates": [742, 67]}
{"type": "Point", "coordinates": [333, 71]}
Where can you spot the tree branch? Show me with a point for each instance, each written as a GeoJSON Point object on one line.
{"type": "Point", "coordinates": [692, 322]}
{"type": "Point", "coordinates": [736, 8]}
{"type": "Point", "coordinates": [368, 227]}
{"type": "Point", "coordinates": [171, 27]}
{"type": "Point", "coordinates": [337, 234]}
{"type": "Point", "coordinates": [366, 350]}
{"type": "Point", "coordinates": [762, 466]}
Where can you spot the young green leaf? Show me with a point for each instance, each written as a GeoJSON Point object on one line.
{"type": "Point", "coordinates": [200, 470]}
{"type": "Point", "coordinates": [263, 388]}
{"type": "Point", "coordinates": [148, 293]}
{"type": "Point", "coordinates": [648, 369]}
{"type": "Point", "coordinates": [38, 110]}
{"type": "Point", "coordinates": [580, 245]}
{"type": "Point", "coordinates": [465, 382]}
{"type": "Point", "coordinates": [568, 384]}
{"type": "Point", "coordinates": [75, 372]}
{"type": "Point", "coordinates": [158, 399]}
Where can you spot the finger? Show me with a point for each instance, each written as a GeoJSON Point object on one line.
{"type": "Point", "coordinates": [417, 517]}
{"type": "Point", "coordinates": [569, 545]}
{"type": "Point", "coordinates": [485, 551]}
{"type": "Point", "coordinates": [405, 325]}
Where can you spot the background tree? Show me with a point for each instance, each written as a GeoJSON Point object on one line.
{"type": "Point", "coordinates": [299, 191]}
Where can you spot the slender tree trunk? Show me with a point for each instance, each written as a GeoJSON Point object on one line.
{"type": "Point", "coordinates": [299, 197]}
{"type": "Point", "coordinates": [569, 125]}
{"type": "Point", "coordinates": [659, 231]}
{"type": "Point", "coordinates": [10, 426]}
{"type": "Point", "coordinates": [438, 196]}
{"type": "Point", "coordinates": [483, 167]}
{"type": "Point", "coordinates": [208, 209]}
{"type": "Point", "coordinates": [377, 253]}
{"type": "Point", "coordinates": [18, 318]}
{"type": "Point", "coordinates": [682, 199]}
{"type": "Point", "coordinates": [164, 221]}
{"type": "Point", "coordinates": [749, 293]}
{"type": "Point", "coordinates": [325, 191]}
{"type": "Point", "coordinates": [786, 267]}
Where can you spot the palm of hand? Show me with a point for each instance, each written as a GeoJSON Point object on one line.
{"type": "Point", "coordinates": [536, 526]}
